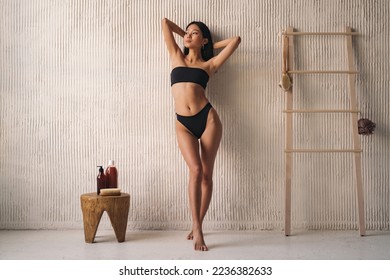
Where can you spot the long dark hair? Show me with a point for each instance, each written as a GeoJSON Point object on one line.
{"type": "Point", "coordinates": [208, 50]}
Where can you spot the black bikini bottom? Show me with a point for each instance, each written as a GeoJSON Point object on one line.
{"type": "Point", "coordinates": [196, 124]}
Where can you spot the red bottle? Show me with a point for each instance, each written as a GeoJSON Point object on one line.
{"type": "Point", "coordinates": [112, 175]}
{"type": "Point", "coordinates": [101, 180]}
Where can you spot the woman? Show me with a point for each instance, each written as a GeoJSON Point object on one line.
{"type": "Point", "coordinates": [198, 127]}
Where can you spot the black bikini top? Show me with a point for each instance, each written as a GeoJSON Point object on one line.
{"type": "Point", "coordinates": [183, 74]}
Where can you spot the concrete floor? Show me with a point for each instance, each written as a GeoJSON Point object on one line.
{"type": "Point", "coordinates": [172, 245]}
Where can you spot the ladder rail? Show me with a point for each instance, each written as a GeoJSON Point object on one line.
{"type": "Point", "coordinates": [296, 33]}
{"type": "Point", "coordinates": [289, 141]}
{"type": "Point", "coordinates": [322, 72]}
{"type": "Point", "coordinates": [323, 151]}
{"type": "Point", "coordinates": [355, 135]}
{"type": "Point", "coordinates": [345, 111]}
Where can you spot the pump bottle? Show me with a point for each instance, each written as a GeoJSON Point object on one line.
{"type": "Point", "coordinates": [101, 180]}
{"type": "Point", "coordinates": [112, 175]}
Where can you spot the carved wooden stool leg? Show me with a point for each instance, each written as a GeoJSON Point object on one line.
{"type": "Point", "coordinates": [91, 218]}
{"type": "Point", "coordinates": [118, 214]}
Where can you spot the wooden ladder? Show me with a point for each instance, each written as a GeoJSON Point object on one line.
{"type": "Point", "coordinates": [353, 110]}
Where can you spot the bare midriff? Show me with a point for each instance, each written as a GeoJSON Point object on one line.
{"type": "Point", "coordinates": [189, 98]}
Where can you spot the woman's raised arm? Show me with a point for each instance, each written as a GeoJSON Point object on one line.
{"type": "Point", "coordinates": [229, 46]}
{"type": "Point", "coordinates": [169, 28]}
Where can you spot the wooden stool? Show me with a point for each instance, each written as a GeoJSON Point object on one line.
{"type": "Point", "coordinates": [117, 208]}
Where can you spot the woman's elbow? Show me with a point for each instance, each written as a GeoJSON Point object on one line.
{"type": "Point", "coordinates": [164, 21]}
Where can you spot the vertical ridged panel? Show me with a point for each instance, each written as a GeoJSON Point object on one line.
{"type": "Point", "coordinates": [84, 81]}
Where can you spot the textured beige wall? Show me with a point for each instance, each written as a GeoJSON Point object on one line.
{"type": "Point", "coordinates": [82, 82]}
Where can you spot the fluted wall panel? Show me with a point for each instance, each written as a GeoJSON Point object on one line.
{"type": "Point", "coordinates": [85, 81]}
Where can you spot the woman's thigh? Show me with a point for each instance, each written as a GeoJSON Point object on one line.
{"type": "Point", "coordinates": [210, 141]}
{"type": "Point", "coordinates": [189, 147]}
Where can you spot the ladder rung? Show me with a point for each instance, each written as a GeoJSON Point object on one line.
{"type": "Point", "coordinates": [321, 33]}
{"type": "Point", "coordinates": [321, 111]}
{"type": "Point", "coordinates": [322, 151]}
{"type": "Point", "coordinates": [322, 72]}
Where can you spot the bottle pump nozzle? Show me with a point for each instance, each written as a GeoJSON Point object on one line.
{"type": "Point", "coordinates": [100, 169]}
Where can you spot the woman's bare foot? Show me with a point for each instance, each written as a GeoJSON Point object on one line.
{"type": "Point", "coordinates": [190, 236]}
{"type": "Point", "coordinates": [199, 244]}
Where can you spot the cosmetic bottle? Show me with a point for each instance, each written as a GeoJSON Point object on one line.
{"type": "Point", "coordinates": [112, 175]}
{"type": "Point", "coordinates": [101, 180]}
